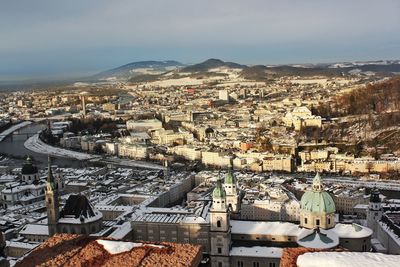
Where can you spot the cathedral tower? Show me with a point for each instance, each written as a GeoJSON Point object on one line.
{"type": "Point", "coordinates": [52, 202]}
{"type": "Point", "coordinates": [232, 196]}
{"type": "Point", "coordinates": [220, 229]}
{"type": "Point", "coordinates": [374, 213]}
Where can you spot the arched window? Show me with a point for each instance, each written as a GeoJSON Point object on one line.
{"type": "Point", "coordinates": [305, 220]}
{"type": "Point", "coordinates": [218, 223]}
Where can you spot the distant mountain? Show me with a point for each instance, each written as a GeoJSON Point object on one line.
{"type": "Point", "coordinates": [218, 69]}
{"type": "Point", "coordinates": [138, 68]}
{"type": "Point", "coordinates": [212, 63]}
{"type": "Point", "coordinates": [262, 73]}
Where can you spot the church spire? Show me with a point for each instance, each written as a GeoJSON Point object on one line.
{"type": "Point", "coordinates": [50, 177]}
{"type": "Point", "coordinates": [52, 202]}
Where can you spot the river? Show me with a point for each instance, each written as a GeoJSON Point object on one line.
{"type": "Point", "coordinates": [13, 146]}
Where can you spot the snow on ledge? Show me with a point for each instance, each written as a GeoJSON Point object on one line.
{"type": "Point", "coordinates": [347, 259]}
{"type": "Point", "coordinates": [116, 247]}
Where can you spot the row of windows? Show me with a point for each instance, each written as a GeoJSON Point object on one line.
{"type": "Point", "coordinates": [317, 221]}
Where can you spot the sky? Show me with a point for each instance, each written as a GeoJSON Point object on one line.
{"type": "Point", "coordinates": [55, 38]}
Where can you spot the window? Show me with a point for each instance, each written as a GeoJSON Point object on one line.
{"type": "Point", "coordinates": [219, 264]}
{"type": "Point", "coordinates": [256, 264]}
{"type": "Point", "coordinates": [219, 250]}
{"type": "Point", "coordinates": [329, 220]}
{"type": "Point", "coordinates": [218, 223]}
{"type": "Point", "coordinates": [317, 222]}
{"type": "Point", "coordinates": [240, 264]}
{"type": "Point", "coordinates": [305, 220]}
{"type": "Point", "coordinates": [272, 264]}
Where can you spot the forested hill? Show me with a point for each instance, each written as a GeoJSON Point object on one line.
{"type": "Point", "coordinates": [383, 97]}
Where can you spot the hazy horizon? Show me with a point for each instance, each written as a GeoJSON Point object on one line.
{"type": "Point", "coordinates": [47, 39]}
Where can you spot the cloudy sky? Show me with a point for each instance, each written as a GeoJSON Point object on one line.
{"type": "Point", "coordinates": [44, 38]}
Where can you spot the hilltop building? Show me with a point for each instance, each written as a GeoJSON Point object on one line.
{"type": "Point", "coordinates": [302, 117]}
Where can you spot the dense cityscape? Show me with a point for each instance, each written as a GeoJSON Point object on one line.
{"type": "Point", "coordinates": [213, 163]}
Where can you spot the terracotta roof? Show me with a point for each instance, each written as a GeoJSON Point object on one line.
{"type": "Point", "coordinates": [80, 250]}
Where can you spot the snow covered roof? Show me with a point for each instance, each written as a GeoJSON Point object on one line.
{"type": "Point", "coordinates": [35, 229]}
{"type": "Point", "coordinates": [347, 259]}
{"type": "Point", "coordinates": [267, 228]}
{"type": "Point", "coordinates": [257, 251]}
{"type": "Point", "coordinates": [351, 230]}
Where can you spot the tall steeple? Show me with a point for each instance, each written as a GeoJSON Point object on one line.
{"type": "Point", "coordinates": [375, 210]}
{"type": "Point", "coordinates": [52, 201]}
{"type": "Point", "coordinates": [220, 229]}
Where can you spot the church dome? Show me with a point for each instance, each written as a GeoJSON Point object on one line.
{"type": "Point", "coordinates": [28, 168]}
{"type": "Point", "coordinates": [320, 202]}
{"type": "Point", "coordinates": [317, 200]}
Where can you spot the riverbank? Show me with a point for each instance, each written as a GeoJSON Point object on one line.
{"type": "Point", "coordinates": [12, 129]}
{"type": "Point", "coordinates": [36, 145]}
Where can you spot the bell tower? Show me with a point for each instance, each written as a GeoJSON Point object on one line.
{"type": "Point", "coordinates": [375, 211]}
{"type": "Point", "coordinates": [232, 197]}
{"type": "Point", "coordinates": [220, 229]}
{"type": "Point", "coordinates": [52, 201]}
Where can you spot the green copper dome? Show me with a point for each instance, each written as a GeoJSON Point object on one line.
{"type": "Point", "coordinates": [317, 200]}
{"type": "Point", "coordinates": [219, 191]}
{"type": "Point", "coordinates": [229, 178]}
